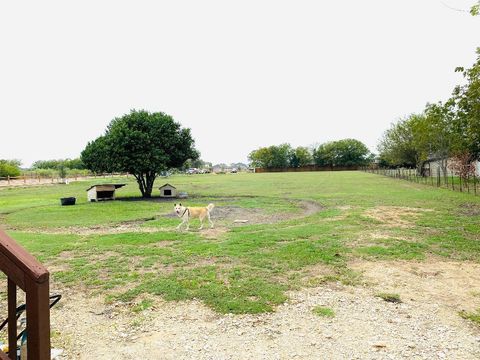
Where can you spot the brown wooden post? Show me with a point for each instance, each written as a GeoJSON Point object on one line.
{"type": "Point", "coordinates": [38, 320]}
{"type": "Point", "coordinates": [24, 178]}
{"type": "Point", "coordinates": [12, 319]}
{"type": "Point", "coordinates": [474, 184]}
{"type": "Point", "coordinates": [24, 271]}
{"type": "Point", "coordinates": [8, 179]}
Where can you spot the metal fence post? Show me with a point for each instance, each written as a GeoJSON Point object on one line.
{"type": "Point", "coordinates": [475, 184]}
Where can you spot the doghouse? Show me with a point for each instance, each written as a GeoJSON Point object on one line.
{"type": "Point", "coordinates": [102, 192]}
{"type": "Point", "coordinates": [168, 191]}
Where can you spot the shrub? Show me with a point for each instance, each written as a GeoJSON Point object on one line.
{"type": "Point", "coordinates": [9, 168]}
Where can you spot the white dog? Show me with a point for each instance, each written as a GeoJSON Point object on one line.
{"type": "Point", "coordinates": [185, 213]}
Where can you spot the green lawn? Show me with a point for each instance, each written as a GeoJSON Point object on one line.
{"type": "Point", "coordinates": [239, 269]}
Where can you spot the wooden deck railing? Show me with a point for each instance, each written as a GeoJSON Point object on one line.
{"type": "Point", "coordinates": [25, 272]}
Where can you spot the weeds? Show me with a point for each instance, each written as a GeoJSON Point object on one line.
{"type": "Point", "coordinates": [389, 297]}
{"type": "Point", "coordinates": [323, 311]}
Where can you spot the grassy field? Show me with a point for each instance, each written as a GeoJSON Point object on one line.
{"type": "Point", "coordinates": [129, 249]}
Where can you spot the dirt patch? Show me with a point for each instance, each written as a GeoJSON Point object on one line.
{"type": "Point", "coordinates": [224, 218]}
{"type": "Point", "coordinates": [163, 243]}
{"type": "Point", "coordinates": [426, 325]}
{"type": "Point", "coordinates": [469, 209]}
{"type": "Point", "coordinates": [95, 230]}
{"type": "Point", "coordinates": [239, 216]}
{"type": "Point", "coordinates": [364, 326]}
{"type": "Point", "coordinates": [377, 238]}
{"type": "Point", "coordinates": [452, 285]}
{"type": "Point", "coordinates": [310, 207]}
{"type": "Point", "coordinates": [395, 215]}
{"type": "Point", "coordinates": [214, 233]}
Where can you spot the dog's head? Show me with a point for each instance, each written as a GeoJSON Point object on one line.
{"type": "Point", "coordinates": [178, 208]}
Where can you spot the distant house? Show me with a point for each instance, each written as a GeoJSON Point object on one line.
{"type": "Point", "coordinates": [439, 166]}
{"type": "Point", "coordinates": [102, 192]}
{"type": "Point", "coordinates": [435, 165]}
{"type": "Point", "coordinates": [217, 169]}
{"type": "Point", "coordinates": [168, 191]}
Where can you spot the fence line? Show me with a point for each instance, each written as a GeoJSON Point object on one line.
{"type": "Point", "coordinates": [307, 168]}
{"type": "Point", "coordinates": [32, 179]}
{"type": "Point", "coordinates": [470, 184]}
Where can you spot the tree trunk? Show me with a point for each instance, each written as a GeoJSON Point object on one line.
{"type": "Point", "coordinates": [150, 179]}
{"type": "Point", "coordinates": [141, 183]}
{"type": "Point", "coordinates": [145, 183]}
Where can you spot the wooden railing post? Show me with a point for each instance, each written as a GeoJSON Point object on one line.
{"type": "Point", "coordinates": [25, 272]}
{"type": "Point", "coordinates": [12, 319]}
{"type": "Point", "coordinates": [38, 320]}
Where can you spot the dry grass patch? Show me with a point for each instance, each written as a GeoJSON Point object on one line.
{"type": "Point", "coordinates": [397, 216]}
{"type": "Point", "coordinates": [378, 238]}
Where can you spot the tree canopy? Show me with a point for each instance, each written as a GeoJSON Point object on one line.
{"type": "Point", "coordinates": [9, 168]}
{"type": "Point", "coordinates": [346, 152]}
{"type": "Point", "coordinates": [274, 156]}
{"type": "Point", "coordinates": [441, 131]}
{"type": "Point", "coordinates": [143, 144]}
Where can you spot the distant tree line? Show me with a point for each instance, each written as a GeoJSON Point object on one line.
{"type": "Point", "coordinates": [41, 167]}
{"type": "Point", "coordinates": [444, 130]}
{"type": "Point", "coordinates": [341, 153]}
{"type": "Point", "coordinates": [59, 163]}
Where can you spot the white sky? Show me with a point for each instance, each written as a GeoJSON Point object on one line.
{"type": "Point", "coordinates": [240, 74]}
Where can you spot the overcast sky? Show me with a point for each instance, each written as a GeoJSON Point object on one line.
{"type": "Point", "coordinates": [240, 74]}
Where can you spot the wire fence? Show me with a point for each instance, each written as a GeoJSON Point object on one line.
{"type": "Point", "coordinates": [469, 184]}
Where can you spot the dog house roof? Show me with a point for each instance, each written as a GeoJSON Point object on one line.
{"type": "Point", "coordinates": [115, 185]}
{"type": "Point", "coordinates": [161, 187]}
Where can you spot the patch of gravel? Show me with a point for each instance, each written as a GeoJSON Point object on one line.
{"type": "Point", "coordinates": [426, 325]}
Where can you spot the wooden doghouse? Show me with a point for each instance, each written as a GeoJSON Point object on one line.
{"type": "Point", "coordinates": [102, 192]}
{"type": "Point", "coordinates": [168, 191]}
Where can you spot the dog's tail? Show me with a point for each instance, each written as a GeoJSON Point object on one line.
{"type": "Point", "coordinates": [210, 207]}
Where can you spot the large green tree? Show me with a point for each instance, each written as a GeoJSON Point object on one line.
{"type": "Point", "coordinates": [441, 131]}
{"type": "Point", "coordinates": [300, 156]}
{"type": "Point", "coordinates": [275, 156]}
{"type": "Point", "coordinates": [398, 146]}
{"type": "Point", "coordinates": [346, 152]}
{"type": "Point", "coordinates": [466, 99]}
{"type": "Point", "coordinates": [143, 144]}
